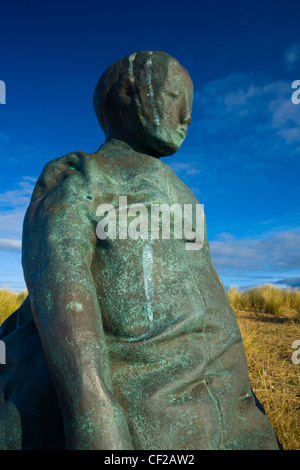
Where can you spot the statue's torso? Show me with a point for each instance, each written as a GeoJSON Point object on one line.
{"type": "Point", "coordinates": [176, 357]}
{"type": "Point", "coordinates": [149, 287]}
{"type": "Point", "coordinates": [176, 354]}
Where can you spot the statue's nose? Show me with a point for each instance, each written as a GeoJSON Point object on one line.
{"type": "Point", "coordinates": [187, 120]}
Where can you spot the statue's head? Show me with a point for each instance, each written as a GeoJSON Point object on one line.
{"type": "Point", "coordinates": [146, 100]}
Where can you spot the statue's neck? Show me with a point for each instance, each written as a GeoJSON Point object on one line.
{"type": "Point", "coordinates": [122, 152]}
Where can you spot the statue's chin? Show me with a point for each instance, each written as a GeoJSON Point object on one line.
{"type": "Point", "coordinates": [169, 147]}
{"type": "Point", "coordinates": [156, 142]}
{"type": "Point", "coordinates": [162, 147]}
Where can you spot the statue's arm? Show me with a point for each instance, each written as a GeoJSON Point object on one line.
{"type": "Point", "coordinates": [58, 243]}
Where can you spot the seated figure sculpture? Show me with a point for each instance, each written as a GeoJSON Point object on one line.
{"type": "Point", "coordinates": [124, 343]}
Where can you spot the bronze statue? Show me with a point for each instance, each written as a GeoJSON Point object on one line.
{"type": "Point", "coordinates": [124, 343]}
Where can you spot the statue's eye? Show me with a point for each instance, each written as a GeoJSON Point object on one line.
{"type": "Point", "coordinates": [173, 95]}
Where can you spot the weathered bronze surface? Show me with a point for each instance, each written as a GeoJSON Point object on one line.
{"type": "Point", "coordinates": [122, 343]}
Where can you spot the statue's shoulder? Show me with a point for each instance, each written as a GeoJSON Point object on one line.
{"type": "Point", "coordinates": [73, 170]}
{"type": "Point", "coordinates": [65, 183]}
{"type": "Point", "coordinates": [73, 163]}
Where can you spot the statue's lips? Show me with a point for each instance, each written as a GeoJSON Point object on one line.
{"type": "Point", "coordinates": [182, 132]}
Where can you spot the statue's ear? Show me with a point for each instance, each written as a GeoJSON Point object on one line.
{"type": "Point", "coordinates": [125, 91]}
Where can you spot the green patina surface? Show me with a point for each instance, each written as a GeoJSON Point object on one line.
{"type": "Point", "coordinates": [143, 349]}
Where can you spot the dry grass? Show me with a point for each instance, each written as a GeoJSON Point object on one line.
{"type": "Point", "coordinates": [273, 376]}
{"type": "Point", "coordinates": [269, 320]}
{"type": "Point", "coordinates": [268, 338]}
{"type": "Point", "coordinates": [267, 299]}
{"type": "Point", "coordinates": [9, 302]}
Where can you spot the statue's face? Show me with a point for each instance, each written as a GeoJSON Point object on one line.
{"type": "Point", "coordinates": [166, 109]}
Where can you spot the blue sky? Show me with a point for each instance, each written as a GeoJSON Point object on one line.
{"type": "Point", "coordinates": [241, 154]}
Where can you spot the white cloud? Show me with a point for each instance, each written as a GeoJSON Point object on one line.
{"type": "Point", "coordinates": [292, 56]}
{"type": "Point", "coordinates": [11, 224]}
{"type": "Point", "coordinates": [243, 129]}
{"type": "Point", "coordinates": [290, 281]}
{"type": "Point", "coordinates": [13, 205]}
{"type": "Point", "coordinates": [246, 105]}
{"type": "Point", "coordinates": [10, 245]}
{"type": "Point", "coordinates": [237, 98]}
{"type": "Point", "coordinates": [269, 254]}
{"type": "Point", "coordinates": [185, 168]}
{"type": "Point", "coordinates": [19, 197]}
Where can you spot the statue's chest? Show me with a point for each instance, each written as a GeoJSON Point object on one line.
{"type": "Point", "coordinates": [133, 204]}
{"type": "Point", "coordinates": [151, 187]}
